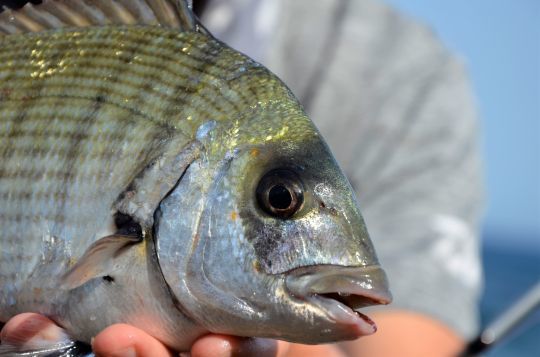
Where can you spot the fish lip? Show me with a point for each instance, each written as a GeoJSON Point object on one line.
{"type": "Point", "coordinates": [341, 292]}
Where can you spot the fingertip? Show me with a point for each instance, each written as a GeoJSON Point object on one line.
{"type": "Point", "coordinates": [212, 346]}
{"type": "Point", "coordinates": [112, 338]}
{"type": "Point", "coordinates": [224, 346]}
{"type": "Point", "coordinates": [123, 340]}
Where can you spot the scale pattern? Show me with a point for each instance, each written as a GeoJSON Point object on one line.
{"type": "Point", "coordinates": [82, 112]}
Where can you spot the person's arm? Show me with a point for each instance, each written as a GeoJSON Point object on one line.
{"type": "Point", "coordinates": [404, 333]}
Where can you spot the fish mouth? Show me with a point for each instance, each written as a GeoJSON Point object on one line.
{"type": "Point", "coordinates": [341, 292]}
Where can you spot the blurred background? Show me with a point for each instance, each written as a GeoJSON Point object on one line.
{"type": "Point", "coordinates": [499, 41]}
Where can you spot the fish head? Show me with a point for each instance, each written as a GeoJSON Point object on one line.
{"type": "Point", "coordinates": [266, 239]}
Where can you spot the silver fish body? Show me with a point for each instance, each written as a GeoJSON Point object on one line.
{"type": "Point", "coordinates": [158, 178]}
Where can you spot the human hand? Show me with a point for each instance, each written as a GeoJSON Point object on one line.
{"type": "Point", "coordinates": [32, 331]}
{"type": "Point", "coordinates": [117, 340]}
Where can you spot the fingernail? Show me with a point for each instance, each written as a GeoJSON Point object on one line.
{"type": "Point", "coordinates": [184, 354]}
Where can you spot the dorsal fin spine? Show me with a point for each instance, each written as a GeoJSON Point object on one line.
{"type": "Point", "coordinates": [81, 14]}
{"type": "Point", "coordinates": [26, 22]}
{"type": "Point", "coordinates": [60, 11]}
{"type": "Point", "coordinates": [139, 9]}
{"type": "Point", "coordinates": [113, 12]}
{"type": "Point", "coordinates": [164, 12]}
{"type": "Point", "coordinates": [185, 9]}
{"type": "Point", "coordinates": [42, 17]}
{"type": "Point", "coordinates": [7, 24]}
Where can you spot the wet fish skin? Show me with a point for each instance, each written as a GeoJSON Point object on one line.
{"type": "Point", "coordinates": [174, 130]}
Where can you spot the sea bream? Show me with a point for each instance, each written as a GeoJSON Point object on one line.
{"type": "Point", "coordinates": [153, 176]}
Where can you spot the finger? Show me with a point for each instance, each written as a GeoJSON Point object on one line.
{"type": "Point", "coordinates": [122, 340]}
{"type": "Point", "coordinates": [32, 331]}
{"type": "Point", "coordinates": [225, 346]}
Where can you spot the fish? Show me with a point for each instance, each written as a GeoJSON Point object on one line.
{"type": "Point", "coordinates": [151, 175]}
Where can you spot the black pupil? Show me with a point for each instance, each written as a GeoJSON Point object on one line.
{"type": "Point", "coordinates": [279, 197]}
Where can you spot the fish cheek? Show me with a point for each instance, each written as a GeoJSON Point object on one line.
{"type": "Point", "coordinates": [320, 234]}
{"type": "Point", "coordinates": [281, 246]}
{"type": "Point", "coordinates": [269, 240]}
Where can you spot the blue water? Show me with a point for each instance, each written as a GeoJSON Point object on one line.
{"type": "Point", "coordinates": [509, 272]}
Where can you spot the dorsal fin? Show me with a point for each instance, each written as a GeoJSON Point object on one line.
{"type": "Point", "coordinates": [53, 14]}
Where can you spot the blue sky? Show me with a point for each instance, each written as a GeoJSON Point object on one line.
{"type": "Point", "coordinates": [500, 43]}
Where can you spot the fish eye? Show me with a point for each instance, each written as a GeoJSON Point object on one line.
{"type": "Point", "coordinates": [280, 193]}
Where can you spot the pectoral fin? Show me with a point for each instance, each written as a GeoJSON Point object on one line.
{"type": "Point", "coordinates": [97, 261]}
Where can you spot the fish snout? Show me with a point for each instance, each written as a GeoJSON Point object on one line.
{"type": "Point", "coordinates": [340, 292]}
